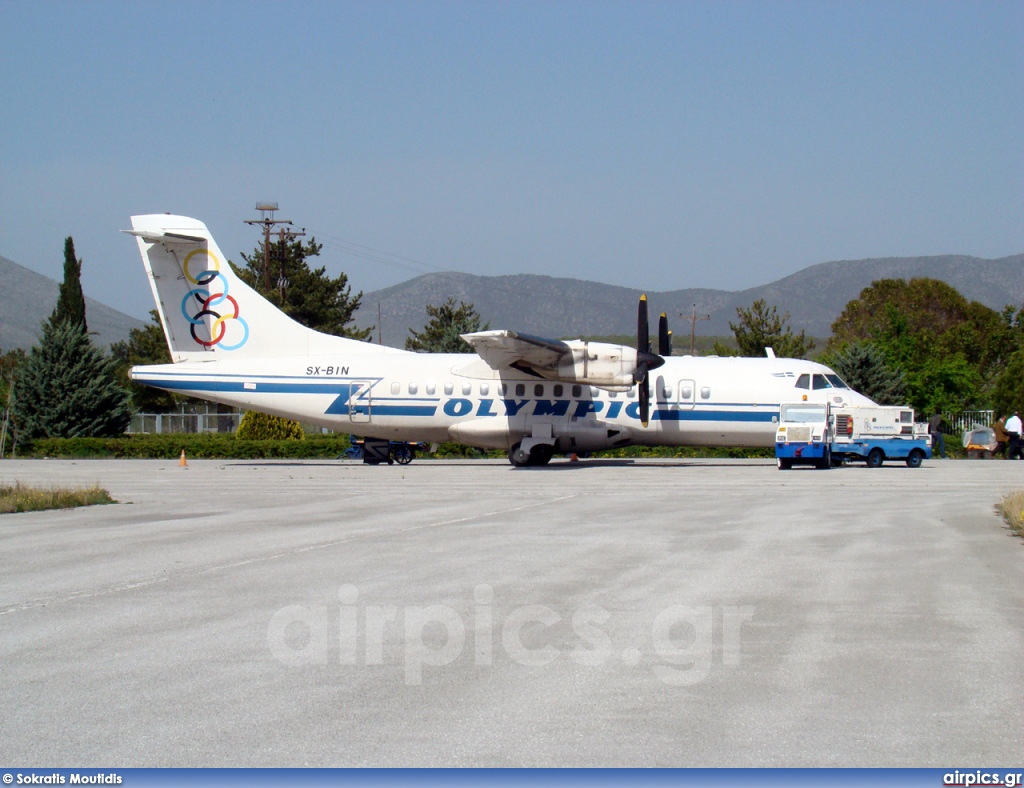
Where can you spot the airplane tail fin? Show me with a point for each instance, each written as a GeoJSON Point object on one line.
{"type": "Point", "coordinates": [207, 312]}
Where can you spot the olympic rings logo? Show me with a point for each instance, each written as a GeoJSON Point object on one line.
{"type": "Point", "coordinates": [206, 300]}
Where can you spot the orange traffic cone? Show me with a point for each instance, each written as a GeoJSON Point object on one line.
{"type": "Point", "coordinates": [182, 463]}
{"type": "Point", "coordinates": [574, 458]}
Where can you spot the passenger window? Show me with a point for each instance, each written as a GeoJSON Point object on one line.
{"type": "Point", "coordinates": [705, 393]}
{"type": "Point", "coordinates": [448, 389]}
{"type": "Point", "coordinates": [538, 390]}
{"type": "Point", "coordinates": [632, 392]}
{"type": "Point", "coordinates": [396, 388]}
{"type": "Point", "coordinates": [520, 389]}
{"type": "Point", "coordinates": [803, 382]}
{"type": "Point", "coordinates": [504, 389]}
{"type": "Point", "coordinates": [559, 390]}
{"type": "Point", "coordinates": [595, 392]}
{"type": "Point", "coordinates": [685, 393]}
{"type": "Point", "coordinates": [431, 389]}
{"type": "Point", "coordinates": [613, 394]}
{"type": "Point", "coordinates": [577, 392]}
{"type": "Point", "coordinates": [485, 389]}
{"type": "Point", "coordinates": [467, 389]}
{"type": "Point", "coordinates": [413, 388]}
{"type": "Point", "coordinates": [666, 393]}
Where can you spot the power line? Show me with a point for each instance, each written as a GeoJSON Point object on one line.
{"type": "Point", "coordinates": [374, 255]}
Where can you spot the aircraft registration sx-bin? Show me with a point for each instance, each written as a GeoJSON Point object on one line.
{"type": "Point", "coordinates": [817, 434]}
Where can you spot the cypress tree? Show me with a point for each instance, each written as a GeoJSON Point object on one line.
{"type": "Point", "coordinates": [68, 388]}
{"type": "Point", "coordinates": [71, 301]}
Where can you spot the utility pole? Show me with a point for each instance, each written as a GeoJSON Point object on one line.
{"type": "Point", "coordinates": [284, 236]}
{"type": "Point", "coordinates": [694, 317]}
{"type": "Point", "coordinates": [268, 222]}
{"type": "Point", "coordinates": [7, 418]}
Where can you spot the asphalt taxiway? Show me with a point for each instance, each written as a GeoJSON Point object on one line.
{"type": "Point", "coordinates": [465, 613]}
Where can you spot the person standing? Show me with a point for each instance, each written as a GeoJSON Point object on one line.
{"type": "Point", "coordinates": [1002, 439]}
{"type": "Point", "coordinates": [935, 431]}
{"type": "Point", "coordinates": [1013, 430]}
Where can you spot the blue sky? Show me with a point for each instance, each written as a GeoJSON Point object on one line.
{"type": "Point", "coordinates": [659, 145]}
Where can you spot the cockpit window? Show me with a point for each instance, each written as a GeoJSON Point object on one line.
{"type": "Point", "coordinates": [803, 382]}
{"type": "Point", "coordinates": [836, 381]}
{"type": "Point", "coordinates": [821, 382]}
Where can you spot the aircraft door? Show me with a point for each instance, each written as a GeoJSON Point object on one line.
{"type": "Point", "coordinates": [359, 405]}
{"type": "Point", "coordinates": [687, 394]}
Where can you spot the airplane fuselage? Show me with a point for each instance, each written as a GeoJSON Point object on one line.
{"type": "Point", "coordinates": [698, 401]}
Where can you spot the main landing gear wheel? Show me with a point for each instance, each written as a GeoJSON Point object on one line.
{"type": "Point", "coordinates": [540, 454]}
{"type": "Point", "coordinates": [518, 456]}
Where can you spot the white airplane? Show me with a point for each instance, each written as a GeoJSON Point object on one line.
{"type": "Point", "coordinates": [531, 396]}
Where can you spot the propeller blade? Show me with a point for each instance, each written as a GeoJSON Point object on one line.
{"type": "Point", "coordinates": [640, 373]}
{"type": "Point", "coordinates": [664, 336]}
{"type": "Point", "coordinates": [645, 402]}
{"type": "Point", "coordinates": [643, 340]}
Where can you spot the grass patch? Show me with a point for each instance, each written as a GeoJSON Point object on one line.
{"type": "Point", "coordinates": [1012, 510]}
{"type": "Point", "coordinates": [22, 498]}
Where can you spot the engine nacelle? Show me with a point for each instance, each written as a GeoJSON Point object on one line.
{"type": "Point", "coordinates": [598, 364]}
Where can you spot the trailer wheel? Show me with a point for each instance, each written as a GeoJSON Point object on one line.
{"type": "Point", "coordinates": [403, 454]}
{"type": "Point", "coordinates": [875, 458]}
{"type": "Point", "coordinates": [914, 458]}
{"type": "Point", "coordinates": [824, 462]}
{"type": "Point", "coordinates": [785, 463]}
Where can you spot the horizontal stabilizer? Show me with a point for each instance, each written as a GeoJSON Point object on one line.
{"type": "Point", "coordinates": [158, 236]}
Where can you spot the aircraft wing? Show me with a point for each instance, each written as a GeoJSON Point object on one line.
{"type": "Point", "coordinates": [503, 348]}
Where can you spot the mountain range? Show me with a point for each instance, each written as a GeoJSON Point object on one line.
{"type": "Point", "coordinates": [28, 298]}
{"type": "Point", "coordinates": [559, 307]}
{"type": "Point", "coordinates": [554, 307]}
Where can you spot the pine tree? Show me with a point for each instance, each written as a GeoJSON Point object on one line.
{"type": "Point", "coordinates": [71, 301]}
{"type": "Point", "coordinates": [442, 334]}
{"type": "Point", "coordinates": [304, 294]}
{"type": "Point", "coordinates": [67, 388]}
{"type": "Point", "coordinates": [864, 368]}
{"type": "Point", "coordinates": [761, 327]}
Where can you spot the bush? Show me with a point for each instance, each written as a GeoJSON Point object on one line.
{"type": "Point", "coordinates": [256, 426]}
{"type": "Point", "coordinates": [21, 498]}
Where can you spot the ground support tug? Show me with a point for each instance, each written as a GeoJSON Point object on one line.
{"type": "Point", "coordinates": [813, 433]}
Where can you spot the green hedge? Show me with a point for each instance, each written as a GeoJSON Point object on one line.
{"type": "Point", "coordinates": [200, 447]}
{"type": "Point", "coordinates": [227, 446]}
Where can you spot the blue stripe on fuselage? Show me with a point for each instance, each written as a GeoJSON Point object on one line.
{"type": "Point", "coordinates": [343, 392]}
